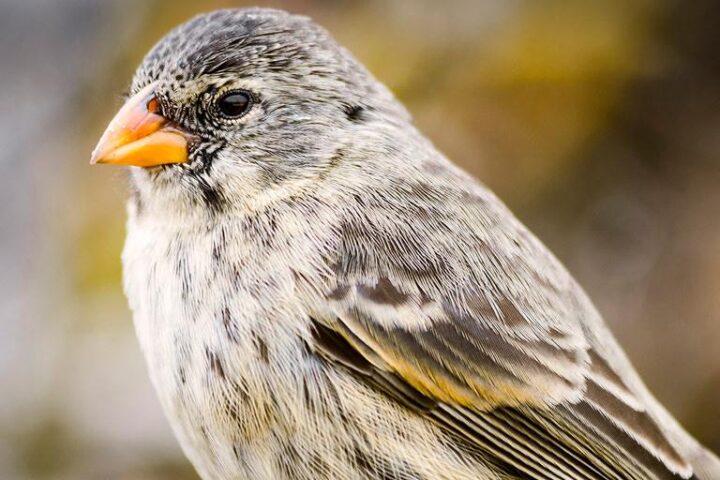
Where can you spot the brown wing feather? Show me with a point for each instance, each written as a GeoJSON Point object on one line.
{"type": "Point", "coordinates": [464, 356]}
{"type": "Point", "coordinates": [500, 391]}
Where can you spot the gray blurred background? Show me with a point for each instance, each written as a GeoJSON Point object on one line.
{"type": "Point", "coordinates": [597, 122]}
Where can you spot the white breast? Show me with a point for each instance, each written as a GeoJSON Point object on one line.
{"type": "Point", "coordinates": [222, 338]}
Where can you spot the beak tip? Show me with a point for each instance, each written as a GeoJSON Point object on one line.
{"type": "Point", "coordinates": [102, 153]}
{"type": "Point", "coordinates": [95, 158]}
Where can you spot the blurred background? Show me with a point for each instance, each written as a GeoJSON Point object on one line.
{"type": "Point", "coordinates": [597, 122]}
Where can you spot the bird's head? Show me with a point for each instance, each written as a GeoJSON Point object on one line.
{"type": "Point", "coordinates": [237, 107]}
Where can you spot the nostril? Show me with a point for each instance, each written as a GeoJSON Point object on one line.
{"type": "Point", "coordinates": [153, 105]}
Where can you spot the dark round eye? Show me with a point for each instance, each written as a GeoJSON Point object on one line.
{"type": "Point", "coordinates": [234, 104]}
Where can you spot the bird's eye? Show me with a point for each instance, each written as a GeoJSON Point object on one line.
{"type": "Point", "coordinates": [234, 104]}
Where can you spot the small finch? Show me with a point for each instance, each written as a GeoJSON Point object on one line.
{"type": "Point", "coordinates": [320, 294]}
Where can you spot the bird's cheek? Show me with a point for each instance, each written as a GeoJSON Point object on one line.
{"type": "Point", "coordinates": [138, 135]}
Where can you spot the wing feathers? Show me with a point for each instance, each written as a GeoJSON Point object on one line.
{"type": "Point", "coordinates": [493, 390]}
{"type": "Point", "coordinates": [572, 441]}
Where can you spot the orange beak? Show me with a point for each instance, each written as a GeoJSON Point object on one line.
{"type": "Point", "coordinates": [139, 136]}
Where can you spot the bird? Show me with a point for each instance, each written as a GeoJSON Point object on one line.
{"type": "Point", "coordinates": [319, 293]}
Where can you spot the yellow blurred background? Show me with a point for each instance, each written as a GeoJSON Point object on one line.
{"type": "Point", "coordinates": [597, 122]}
